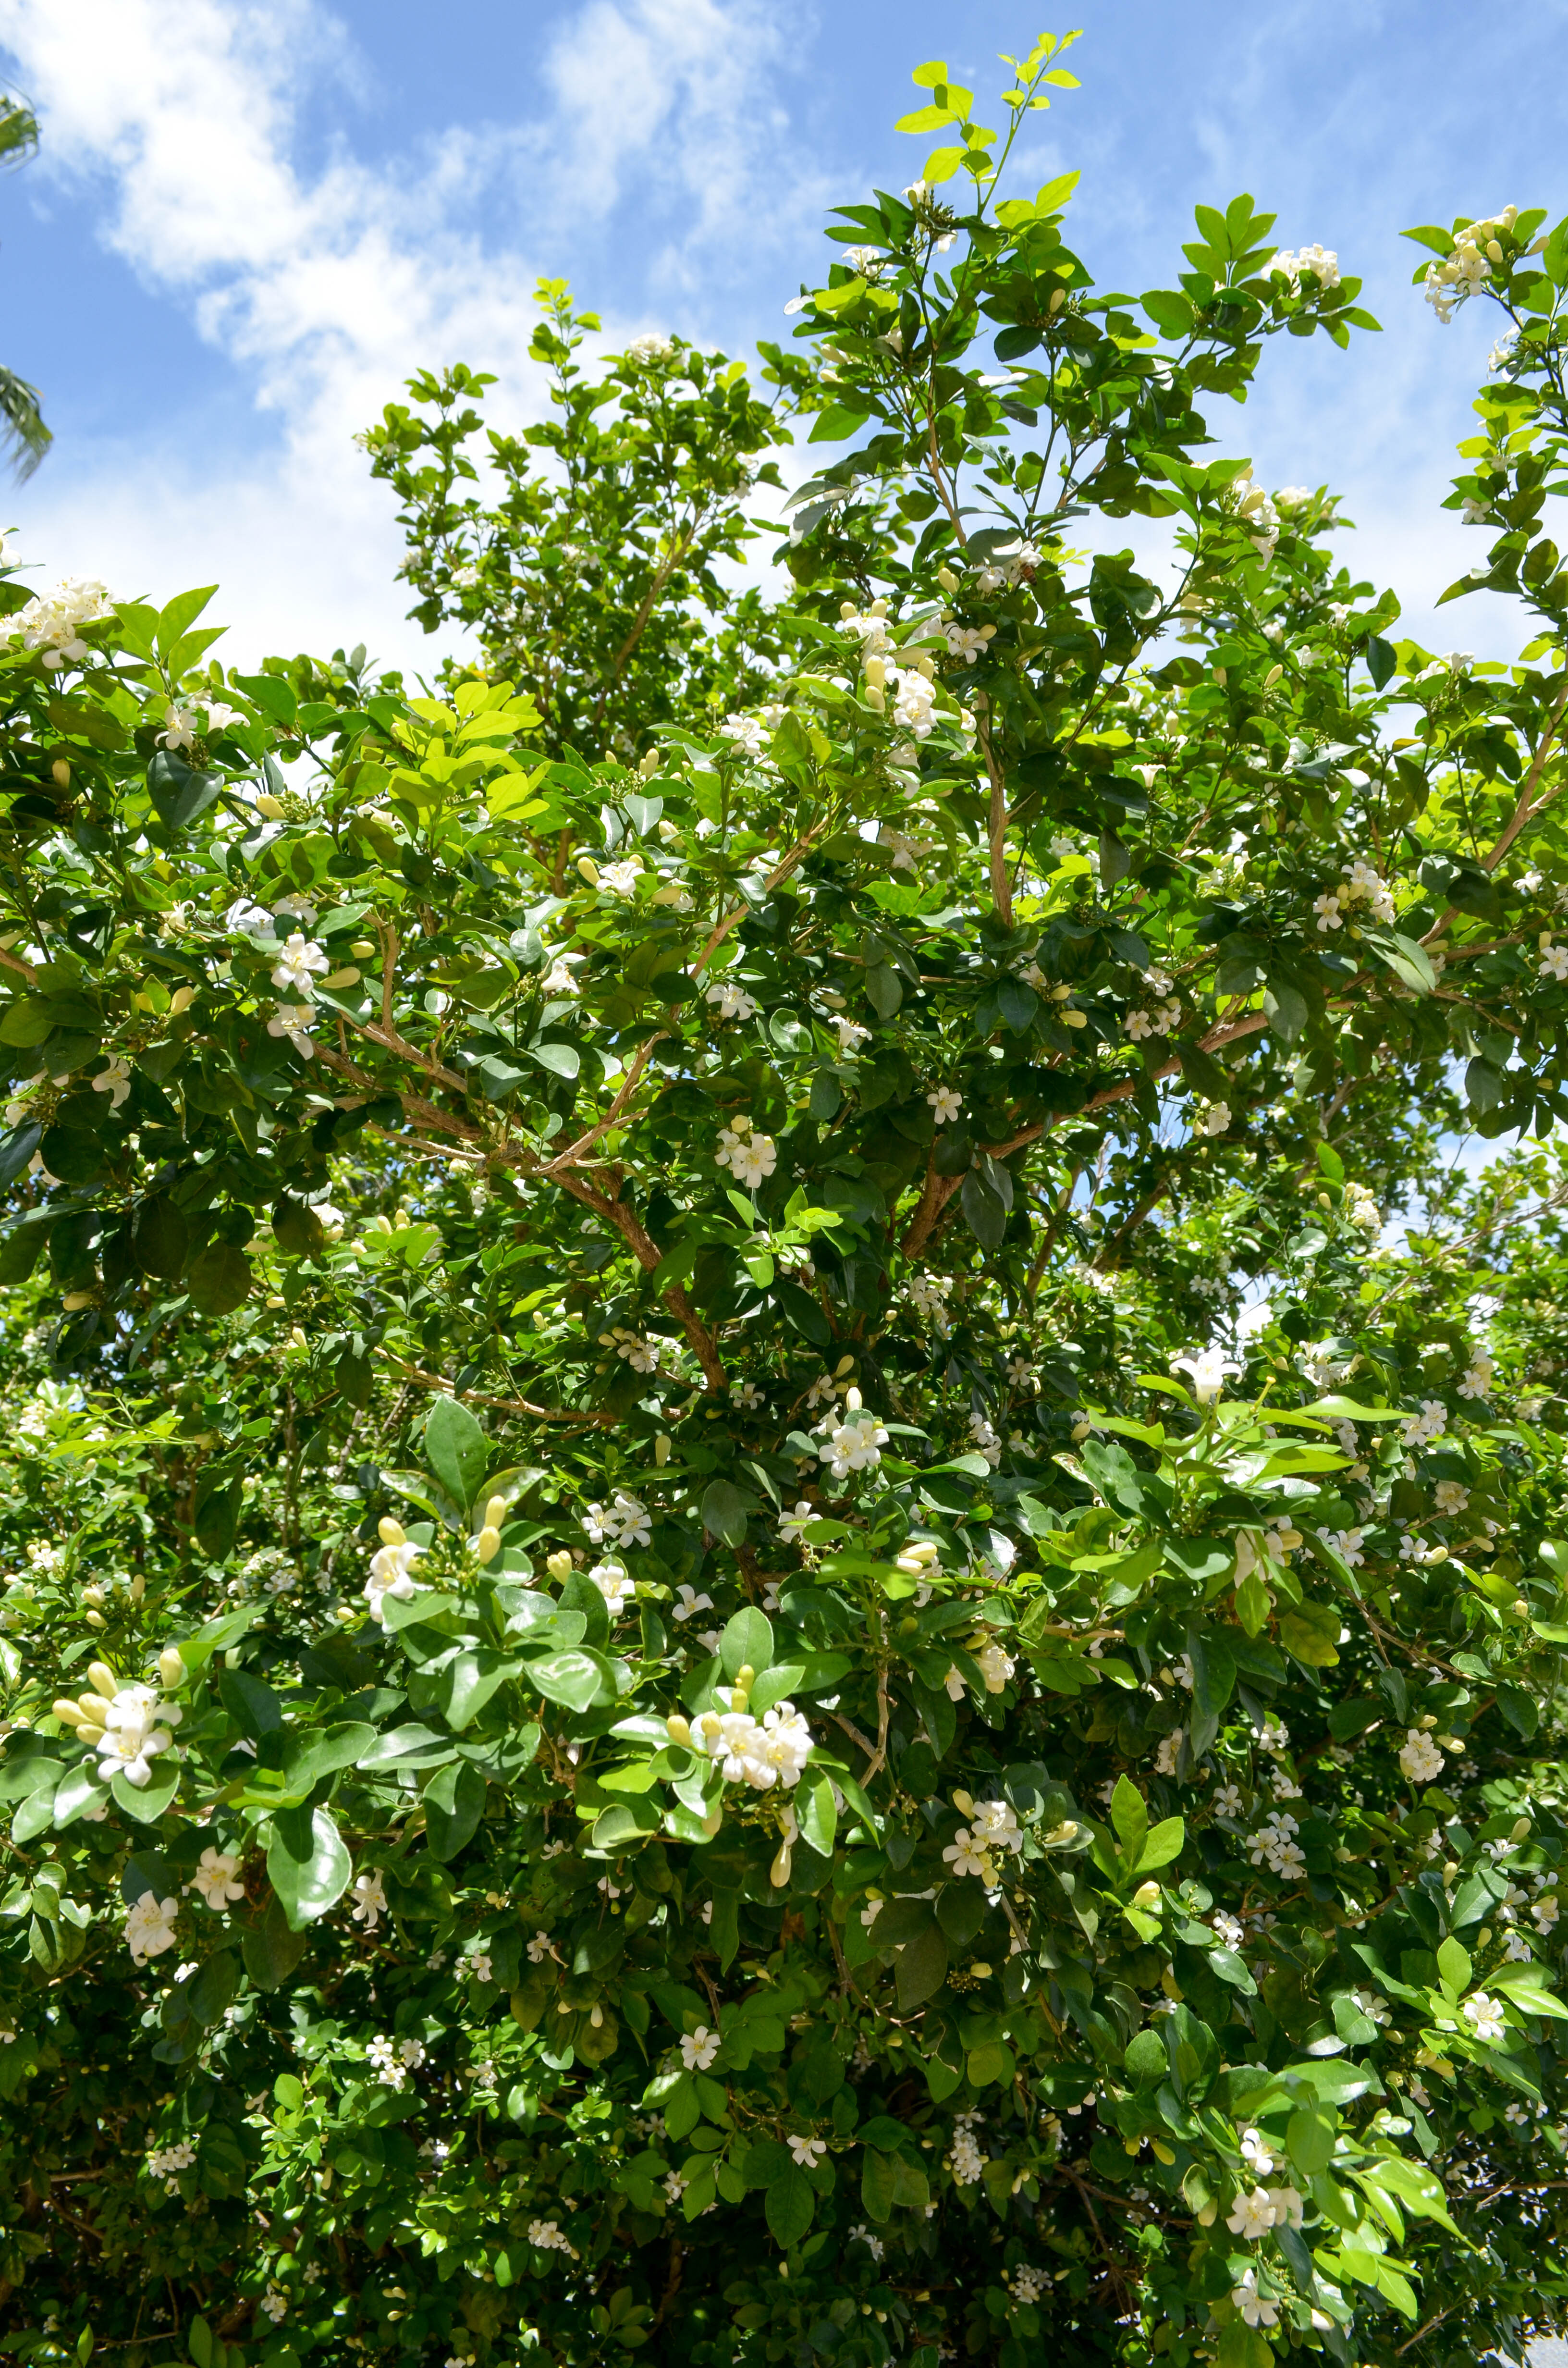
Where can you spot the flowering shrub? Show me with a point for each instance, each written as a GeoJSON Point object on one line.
{"type": "Point", "coordinates": [673, 1678]}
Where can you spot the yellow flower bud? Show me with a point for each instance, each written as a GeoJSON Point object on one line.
{"type": "Point", "coordinates": [678, 1730]}
{"type": "Point", "coordinates": [361, 948]}
{"type": "Point", "coordinates": [138, 1587]}
{"type": "Point", "coordinates": [76, 1299]}
{"type": "Point", "coordinates": [495, 1512]}
{"type": "Point", "coordinates": [171, 1668]}
{"type": "Point", "coordinates": [947, 580]}
{"type": "Point", "coordinates": [559, 1565]}
{"type": "Point", "coordinates": [589, 870]}
{"type": "Point", "coordinates": [745, 1675]}
{"type": "Point", "coordinates": [1146, 1897]}
{"type": "Point", "coordinates": [94, 1620]}
{"type": "Point", "coordinates": [61, 773]}
{"type": "Point", "coordinates": [270, 806]}
{"type": "Point", "coordinates": [779, 1872]}
{"type": "Point", "coordinates": [67, 1713]}
{"type": "Point", "coordinates": [738, 1698]}
{"type": "Point", "coordinates": [95, 1595]}
{"type": "Point", "coordinates": [102, 1679]}
{"type": "Point", "coordinates": [399, 1219]}
{"type": "Point", "coordinates": [1058, 298]}
{"type": "Point", "coordinates": [90, 1710]}
{"type": "Point", "coordinates": [875, 696]}
{"type": "Point", "coordinates": [487, 1545]}
{"type": "Point", "coordinates": [391, 1533]}
{"type": "Point", "coordinates": [876, 674]}
{"type": "Point", "coordinates": [661, 1448]}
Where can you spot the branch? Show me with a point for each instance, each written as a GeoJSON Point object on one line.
{"type": "Point", "coordinates": [13, 961]}
{"type": "Point", "coordinates": [503, 1406]}
{"type": "Point", "coordinates": [569, 1157]}
{"type": "Point", "coordinates": [731, 919]}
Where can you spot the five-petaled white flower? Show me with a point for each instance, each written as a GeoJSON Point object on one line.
{"type": "Point", "coordinates": [1207, 1369]}
{"type": "Point", "coordinates": [214, 1878]}
{"type": "Point", "coordinates": [946, 1104]}
{"type": "Point", "coordinates": [808, 2152]}
{"type": "Point", "coordinates": [300, 961]}
{"type": "Point", "coordinates": [150, 1927]}
{"type": "Point", "coordinates": [698, 2048]}
{"type": "Point", "coordinates": [295, 1020]}
{"type": "Point", "coordinates": [370, 1899]}
{"type": "Point", "coordinates": [1484, 2016]}
{"type": "Point", "coordinates": [751, 1158]}
{"type": "Point", "coordinates": [730, 1001]}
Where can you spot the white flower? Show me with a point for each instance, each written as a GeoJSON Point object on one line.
{"type": "Point", "coordinates": [295, 1020]}
{"type": "Point", "coordinates": [1322, 265]}
{"type": "Point", "coordinates": [620, 879]}
{"type": "Point", "coordinates": [548, 2236]}
{"type": "Point", "coordinates": [651, 348]}
{"type": "Point", "coordinates": [1208, 1370]}
{"type": "Point", "coordinates": [688, 1601]}
{"type": "Point", "coordinates": [1256, 2308]}
{"type": "Point", "coordinates": [759, 1753]}
{"type": "Point", "coordinates": [1420, 1758]}
{"type": "Point", "coordinates": [698, 2048]}
{"type": "Point", "coordinates": [625, 1523]}
{"type": "Point", "coordinates": [1430, 1423]}
{"type": "Point", "coordinates": [1477, 1380]}
{"type": "Point", "coordinates": [985, 1438]}
{"type": "Point", "coordinates": [1554, 961]}
{"type": "Point", "coordinates": [946, 1104]}
{"type": "Point", "coordinates": [967, 1854]}
{"type": "Point", "coordinates": [115, 1080]}
{"type": "Point", "coordinates": [914, 702]}
{"type": "Point", "coordinates": [851, 1036]}
{"type": "Point", "coordinates": [1328, 910]}
{"type": "Point", "coordinates": [641, 1355]}
{"type": "Point", "coordinates": [181, 725]}
{"type": "Point", "coordinates": [1253, 2215]}
{"type": "Point", "coordinates": [1449, 1496]}
{"type": "Point", "coordinates": [1545, 1913]}
{"type": "Point", "coordinates": [745, 730]}
{"type": "Point", "coordinates": [370, 1899]}
{"type": "Point", "coordinates": [1216, 1118]}
{"type": "Point", "coordinates": [52, 621]}
{"type": "Point", "coordinates": [808, 2152]}
{"type": "Point", "coordinates": [968, 641]}
{"type": "Point", "coordinates": [996, 1668]}
{"type": "Point", "coordinates": [1228, 1929]}
{"type": "Point", "coordinates": [1484, 2016]}
{"type": "Point", "coordinates": [214, 1878]}
{"type": "Point", "coordinates": [558, 979]}
{"type": "Point", "coordinates": [749, 1158]}
{"type": "Point", "coordinates": [390, 1574]}
{"type": "Point", "coordinates": [746, 1397]}
{"type": "Point", "coordinates": [132, 1738]}
{"type": "Point", "coordinates": [826, 1390]}
{"type": "Point", "coordinates": [614, 1585]}
{"type": "Point", "coordinates": [276, 2304]}
{"type": "Point", "coordinates": [150, 1927]}
{"type": "Point", "coordinates": [854, 1442]}
{"type": "Point", "coordinates": [300, 961]}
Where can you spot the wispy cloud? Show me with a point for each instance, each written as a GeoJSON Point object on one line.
{"type": "Point", "coordinates": [323, 289]}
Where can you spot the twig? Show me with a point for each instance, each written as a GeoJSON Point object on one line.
{"type": "Point", "coordinates": [503, 1406]}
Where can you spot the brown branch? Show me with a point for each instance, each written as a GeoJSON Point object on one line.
{"type": "Point", "coordinates": [601, 1126]}
{"type": "Point", "coordinates": [13, 961]}
{"type": "Point", "coordinates": [662, 575]}
{"type": "Point", "coordinates": [782, 872]}
{"type": "Point", "coordinates": [503, 1406]}
{"type": "Point", "coordinates": [389, 966]}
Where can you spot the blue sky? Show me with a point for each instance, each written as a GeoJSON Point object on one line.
{"type": "Point", "coordinates": [251, 221]}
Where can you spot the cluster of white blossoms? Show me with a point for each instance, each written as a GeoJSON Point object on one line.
{"type": "Point", "coordinates": [127, 1726]}
{"type": "Point", "coordinates": [982, 1433]}
{"type": "Point", "coordinates": [992, 1827]}
{"type": "Point", "coordinates": [1026, 2284]}
{"type": "Point", "coordinates": [301, 962]}
{"type": "Point", "coordinates": [1360, 1209]}
{"type": "Point", "coordinates": [216, 1879]}
{"type": "Point", "coordinates": [1360, 884]}
{"type": "Point", "coordinates": [1275, 1845]}
{"type": "Point", "coordinates": [1477, 1380]}
{"type": "Point", "coordinates": [966, 2161]}
{"type": "Point", "coordinates": [392, 1568]}
{"type": "Point", "coordinates": [1430, 1423]}
{"type": "Point", "coordinates": [1450, 1496]}
{"type": "Point", "coordinates": [761, 1752]}
{"type": "Point", "coordinates": [651, 347]}
{"type": "Point", "coordinates": [928, 1295]}
{"type": "Point", "coordinates": [395, 2059]}
{"type": "Point", "coordinates": [1469, 263]}
{"type": "Point", "coordinates": [52, 621]}
{"type": "Point", "coordinates": [1255, 2212]}
{"type": "Point", "coordinates": [1420, 1758]}
{"type": "Point", "coordinates": [1320, 262]}
{"type": "Point", "coordinates": [167, 2162]}
{"type": "Point", "coordinates": [852, 1441]}
{"type": "Point", "coordinates": [750, 1157]}
{"type": "Point", "coordinates": [1165, 1014]}
{"type": "Point", "coordinates": [915, 699]}
{"type": "Point", "coordinates": [1018, 560]}
{"type": "Point", "coordinates": [641, 1355]}
{"type": "Point", "coordinates": [624, 1521]}
{"type": "Point", "coordinates": [1254, 509]}
{"type": "Point", "coordinates": [547, 2234]}
{"type": "Point", "coordinates": [183, 726]}
{"type": "Point", "coordinates": [967, 643]}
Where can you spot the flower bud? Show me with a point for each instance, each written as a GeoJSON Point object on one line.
{"type": "Point", "coordinates": [1272, 677]}
{"type": "Point", "coordinates": [270, 806]}
{"type": "Point", "coordinates": [94, 1620]}
{"type": "Point", "coordinates": [138, 1587]}
{"type": "Point", "coordinates": [171, 1668]}
{"type": "Point", "coordinates": [362, 949]}
{"type": "Point", "coordinates": [964, 1804]}
{"type": "Point", "coordinates": [102, 1679]}
{"type": "Point", "coordinates": [67, 1713]}
{"type": "Point", "coordinates": [650, 764]}
{"type": "Point", "coordinates": [1067, 1831]}
{"type": "Point", "coordinates": [745, 1675]}
{"type": "Point", "coordinates": [95, 1595]}
{"type": "Point", "coordinates": [739, 1698]}
{"type": "Point", "coordinates": [399, 1219]}
{"type": "Point", "coordinates": [589, 870]}
{"type": "Point", "coordinates": [60, 773]}
{"type": "Point", "coordinates": [391, 1533]}
{"type": "Point", "coordinates": [876, 674]}
{"type": "Point", "coordinates": [947, 580]}
{"type": "Point", "coordinates": [875, 696]}
{"type": "Point", "coordinates": [559, 1565]}
{"type": "Point", "coordinates": [678, 1729]}
{"type": "Point", "coordinates": [1058, 298]}
{"type": "Point", "coordinates": [495, 1512]}
{"type": "Point", "coordinates": [487, 1545]}
{"type": "Point", "coordinates": [852, 1399]}
{"type": "Point", "coordinates": [90, 1710]}
{"type": "Point", "coordinates": [1146, 1897]}
{"type": "Point", "coordinates": [847, 608]}
{"type": "Point", "coordinates": [77, 1299]}
{"type": "Point", "coordinates": [661, 1448]}
{"type": "Point", "coordinates": [779, 1872]}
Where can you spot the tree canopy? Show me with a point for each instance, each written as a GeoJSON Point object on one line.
{"type": "Point", "coordinates": [786, 1559]}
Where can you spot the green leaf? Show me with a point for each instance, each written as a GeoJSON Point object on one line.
{"type": "Point", "coordinates": [457, 1450]}
{"type": "Point", "coordinates": [1163, 1844]}
{"type": "Point", "coordinates": [158, 1238]}
{"type": "Point", "coordinates": [454, 1803]}
{"type": "Point", "coordinates": [569, 1679]}
{"type": "Point", "coordinates": [321, 1751]}
{"type": "Point", "coordinates": [921, 1968]}
{"type": "Point", "coordinates": [146, 1803]}
{"type": "Point", "coordinates": [271, 1947]}
{"type": "Point", "coordinates": [174, 619]}
{"type": "Point", "coordinates": [307, 1864]}
{"type": "Point", "coordinates": [790, 2206]}
{"type": "Point", "coordinates": [220, 1279]}
{"type": "Point", "coordinates": [724, 1510]}
{"type": "Point", "coordinates": [748, 1638]}
{"type": "Point", "coordinates": [1311, 1632]}
{"type": "Point", "coordinates": [1453, 1965]}
{"type": "Point", "coordinates": [1129, 1816]}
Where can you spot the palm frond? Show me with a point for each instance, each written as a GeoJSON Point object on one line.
{"type": "Point", "coordinates": [24, 438]}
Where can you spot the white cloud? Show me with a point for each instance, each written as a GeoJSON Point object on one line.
{"type": "Point", "coordinates": [323, 290]}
